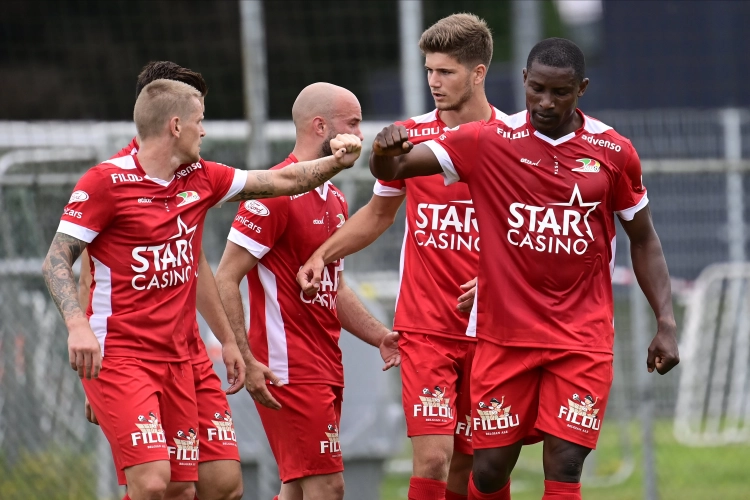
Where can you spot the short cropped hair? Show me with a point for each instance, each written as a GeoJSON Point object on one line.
{"type": "Point", "coordinates": [559, 53]}
{"type": "Point", "coordinates": [167, 70]}
{"type": "Point", "coordinates": [158, 102]}
{"type": "Point", "coordinates": [465, 37]}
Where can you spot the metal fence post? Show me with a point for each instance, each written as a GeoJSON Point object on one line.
{"type": "Point", "coordinates": [731, 120]}
{"type": "Point", "coordinates": [255, 81]}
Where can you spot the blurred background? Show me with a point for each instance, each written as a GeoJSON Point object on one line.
{"type": "Point", "coordinates": [670, 75]}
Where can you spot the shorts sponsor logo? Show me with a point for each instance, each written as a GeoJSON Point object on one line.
{"type": "Point", "coordinates": [494, 418]}
{"type": "Point", "coordinates": [187, 197]}
{"type": "Point", "coordinates": [223, 428]}
{"type": "Point", "coordinates": [341, 220]}
{"type": "Point", "coordinates": [551, 229]}
{"type": "Point", "coordinates": [72, 213]}
{"type": "Point", "coordinates": [587, 165]}
{"type": "Point", "coordinates": [464, 429]}
{"type": "Point", "coordinates": [581, 414]}
{"type": "Point", "coordinates": [257, 208]}
{"type": "Point", "coordinates": [188, 170]}
{"type": "Point", "coordinates": [78, 197]}
{"type": "Point", "coordinates": [248, 223]}
{"type": "Point", "coordinates": [166, 265]}
{"type": "Point", "coordinates": [331, 444]}
{"type": "Point", "coordinates": [451, 226]}
{"type": "Point", "coordinates": [150, 433]}
{"type": "Point", "coordinates": [434, 406]}
{"type": "Point", "coordinates": [329, 284]}
{"type": "Point", "coordinates": [604, 143]}
{"type": "Point", "coordinates": [125, 178]}
{"type": "Point", "coordinates": [185, 447]}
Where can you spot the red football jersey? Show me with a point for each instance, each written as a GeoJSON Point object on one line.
{"type": "Point", "coordinates": [441, 245]}
{"type": "Point", "coordinates": [144, 238]}
{"type": "Point", "coordinates": [546, 208]}
{"type": "Point", "coordinates": [295, 335]}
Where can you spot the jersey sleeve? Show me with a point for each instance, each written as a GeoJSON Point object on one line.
{"type": "Point", "coordinates": [456, 151]}
{"type": "Point", "coordinates": [389, 188]}
{"type": "Point", "coordinates": [225, 181]}
{"type": "Point", "coordinates": [259, 224]}
{"type": "Point", "coordinates": [90, 208]}
{"type": "Point", "coordinates": [630, 193]}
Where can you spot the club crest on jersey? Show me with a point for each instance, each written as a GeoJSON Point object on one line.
{"type": "Point", "coordinates": [257, 208]}
{"type": "Point", "coordinates": [150, 433]}
{"type": "Point", "coordinates": [494, 418]}
{"type": "Point", "coordinates": [186, 446]}
{"type": "Point", "coordinates": [581, 414]}
{"type": "Point", "coordinates": [331, 444]}
{"type": "Point", "coordinates": [224, 428]}
{"type": "Point", "coordinates": [341, 220]}
{"type": "Point", "coordinates": [434, 406]}
{"type": "Point", "coordinates": [78, 197]}
{"type": "Point", "coordinates": [187, 197]}
{"type": "Point", "coordinates": [464, 429]}
{"type": "Point", "coordinates": [587, 165]}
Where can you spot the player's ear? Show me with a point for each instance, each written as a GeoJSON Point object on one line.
{"type": "Point", "coordinates": [480, 73]}
{"type": "Point", "coordinates": [583, 86]}
{"type": "Point", "coordinates": [175, 126]}
{"type": "Point", "coordinates": [319, 125]}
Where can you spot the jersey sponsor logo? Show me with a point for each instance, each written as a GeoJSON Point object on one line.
{"type": "Point", "coordinates": [125, 178]}
{"type": "Point", "coordinates": [248, 223]}
{"type": "Point", "coordinates": [145, 200]}
{"type": "Point", "coordinates": [529, 162]}
{"type": "Point", "coordinates": [150, 432]}
{"type": "Point", "coordinates": [327, 294]}
{"type": "Point", "coordinates": [223, 428]}
{"type": "Point", "coordinates": [581, 414]}
{"type": "Point", "coordinates": [167, 264]}
{"type": "Point", "coordinates": [464, 429]}
{"type": "Point", "coordinates": [257, 208]}
{"type": "Point", "coordinates": [78, 197]}
{"type": "Point", "coordinates": [424, 132]}
{"type": "Point", "coordinates": [318, 222]}
{"type": "Point", "coordinates": [604, 143]}
{"type": "Point", "coordinates": [185, 447]}
{"type": "Point", "coordinates": [447, 227]}
{"type": "Point", "coordinates": [550, 229]}
{"type": "Point", "coordinates": [494, 418]}
{"type": "Point", "coordinates": [509, 134]}
{"type": "Point", "coordinates": [341, 220]}
{"type": "Point", "coordinates": [72, 213]}
{"type": "Point", "coordinates": [587, 165]}
{"type": "Point", "coordinates": [434, 406]}
{"type": "Point", "coordinates": [187, 197]}
{"type": "Point", "coordinates": [331, 444]}
{"type": "Point", "coordinates": [188, 170]}
{"type": "Point", "coordinates": [294, 197]}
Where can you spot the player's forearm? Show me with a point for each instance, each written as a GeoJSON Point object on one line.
{"type": "Point", "coordinates": [296, 178]}
{"type": "Point", "coordinates": [420, 161]}
{"type": "Point", "coordinates": [385, 168]}
{"type": "Point", "coordinates": [356, 319]}
{"type": "Point", "coordinates": [209, 303]}
{"type": "Point", "coordinates": [231, 298]}
{"type": "Point", "coordinates": [57, 271]}
{"type": "Point", "coordinates": [84, 282]}
{"type": "Point", "coordinates": [650, 269]}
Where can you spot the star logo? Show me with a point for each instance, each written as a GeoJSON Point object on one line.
{"type": "Point", "coordinates": [576, 197]}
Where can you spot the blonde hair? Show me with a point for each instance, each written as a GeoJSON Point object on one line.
{"type": "Point", "coordinates": [159, 102]}
{"type": "Point", "coordinates": [465, 37]}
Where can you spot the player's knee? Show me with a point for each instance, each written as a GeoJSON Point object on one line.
{"type": "Point", "coordinates": [432, 464]}
{"type": "Point", "coordinates": [460, 468]}
{"type": "Point", "coordinates": [491, 472]}
{"type": "Point", "coordinates": [565, 464]}
{"type": "Point", "coordinates": [149, 487]}
{"type": "Point", "coordinates": [332, 488]}
{"type": "Point", "coordinates": [180, 491]}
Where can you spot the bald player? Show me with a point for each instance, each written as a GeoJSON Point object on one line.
{"type": "Point", "coordinates": [296, 336]}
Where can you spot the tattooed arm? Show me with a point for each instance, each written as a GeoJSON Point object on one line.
{"type": "Point", "coordinates": [83, 347]}
{"type": "Point", "coordinates": [303, 176]}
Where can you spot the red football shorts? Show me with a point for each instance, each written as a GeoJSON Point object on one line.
{"type": "Point", "coordinates": [435, 387]}
{"type": "Point", "coordinates": [216, 428]}
{"type": "Point", "coordinates": [520, 393]}
{"type": "Point", "coordinates": [304, 433]}
{"type": "Point", "coordinates": [148, 412]}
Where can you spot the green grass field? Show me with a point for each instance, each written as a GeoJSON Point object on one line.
{"type": "Point", "coordinates": [683, 473]}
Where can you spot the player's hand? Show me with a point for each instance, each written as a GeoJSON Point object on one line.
{"type": "Point", "coordinates": [466, 301]}
{"type": "Point", "coordinates": [230, 353]}
{"type": "Point", "coordinates": [90, 412]}
{"type": "Point", "coordinates": [393, 140]}
{"type": "Point", "coordinates": [255, 383]}
{"type": "Point", "coordinates": [84, 351]}
{"type": "Point", "coordinates": [662, 353]}
{"type": "Point", "coordinates": [309, 275]}
{"type": "Point", "coordinates": [389, 350]}
{"type": "Point", "coordinates": [346, 149]}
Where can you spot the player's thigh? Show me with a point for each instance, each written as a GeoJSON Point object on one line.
{"type": "Point", "coordinates": [429, 376]}
{"type": "Point", "coordinates": [125, 400]}
{"type": "Point", "coordinates": [462, 436]}
{"type": "Point", "coordinates": [432, 456]}
{"type": "Point", "coordinates": [291, 491]}
{"type": "Point", "coordinates": [574, 391]}
{"type": "Point", "coordinates": [323, 487]}
{"type": "Point", "coordinates": [218, 440]}
{"type": "Point", "coordinates": [304, 433]}
{"type": "Point", "coordinates": [219, 480]}
{"type": "Point", "coordinates": [504, 395]}
{"type": "Point", "coordinates": [148, 480]}
{"type": "Point", "coordinates": [180, 412]}
{"type": "Point", "coordinates": [180, 491]}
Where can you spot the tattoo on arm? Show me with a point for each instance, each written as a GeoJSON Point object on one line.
{"type": "Point", "coordinates": [306, 176]}
{"type": "Point", "coordinates": [263, 187]}
{"type": "Point", "coordinates": [58, 274]}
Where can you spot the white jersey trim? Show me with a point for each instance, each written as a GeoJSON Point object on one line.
{"type": "Point", "coordinates": [387, 191]}
{"type": "Point", "coordinates": [449, 171]}
{"type": "Point", "coordinates": [629, 213]}
{"type": "Point", "coordinates": [253, 247]}
{"type": "Point", "coordinates": [101, 302]}
{"type": "Point", "coordinates": [76, 231]}
{"type": "Point", "coordinates": [471, 328]}
{"type": "Point", "coordinates": [125, 162]}
{"type": "Point", "coordinates": [425, 118]}
{"type": "Point", "coordinates": [238, 184]}
{"type": "Point", "coordinates": [594, 126]}
{"type": "Point", "coordinates": [555, 142]}
{"type": "Point", "coordinates": [278, 354]}
{"type": "Point", "coordinates": [514, 121]}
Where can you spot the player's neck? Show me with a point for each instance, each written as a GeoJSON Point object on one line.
{"type": "Point", "coordinates": [475, 109]}
{"type": "Point", "coordinates": [306, 152]}
{"type": "Point", "coordinates": [157, 159]}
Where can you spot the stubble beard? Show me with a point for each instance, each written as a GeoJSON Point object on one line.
{"type": "Point", "coordinates": [325, 148]}
{"type": "Point", "coordinates": [462, 99]}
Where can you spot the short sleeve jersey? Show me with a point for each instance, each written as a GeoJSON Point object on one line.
{"type": "Point", "coordinates": [144, 238]}
{"type": "Point", "coordinates": [440, 251]}
{"type": "Point", "coordinates": [546, 208]}
{"type": "Point", "coordinates": [293, 334]}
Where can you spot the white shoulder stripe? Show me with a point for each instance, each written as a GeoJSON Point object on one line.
{"type": "Point", "coordinates": [515, 121]}
{"type": "Point", "coordinates": [629, 213]}
{"type": "Point", "coordinates": [499, 115]}
{"type": "Point", "coordinates": [76, 231]}
{"type": "Point", "coordinates": [253, 247]}
{"type": "Point", "coordinates": [125, 162]}
{"type": "Point", "coordinates": [594, 126]}
{"type": "Point", "coordinates": [425, 118]}
{"type": "Point", "coordinates": [449, 170]}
